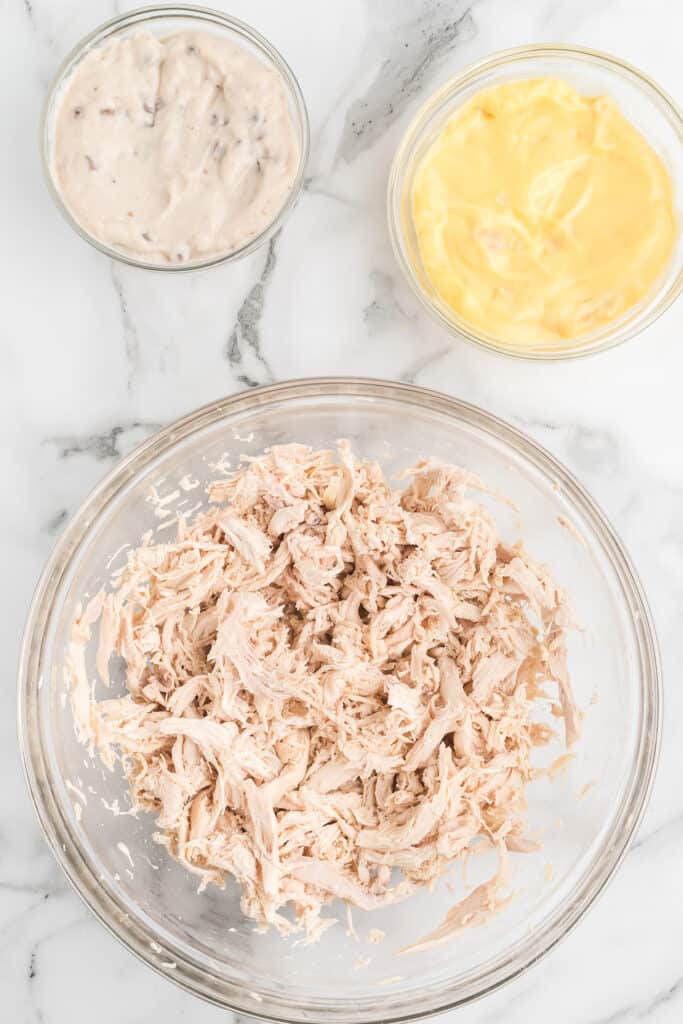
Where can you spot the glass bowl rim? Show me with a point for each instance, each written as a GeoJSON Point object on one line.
{"type": "Point", "coordinates": [457, 326]}
{"type": "Point", "coordinates": [143, 16]}
{"type": "Point", "coordinates": [189, 973]}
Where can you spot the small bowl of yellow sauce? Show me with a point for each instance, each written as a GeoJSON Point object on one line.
{"type": "Point", "coordinates": [535, 202]}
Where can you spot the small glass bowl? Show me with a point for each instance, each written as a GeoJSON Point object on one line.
{"type": "Point", "coordinates": [640, 99]}
{"type": "Point", "coordinates": [161, 20]}
{"type": "Point", "coordinates": [203, 942]}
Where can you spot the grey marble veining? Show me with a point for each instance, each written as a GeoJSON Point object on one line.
{"type": "Point", "coordinates": [244, 343]}
{"type": "Point", "coordinates": [410, 38]}
{"type": "Point", "coordinates": [95, 357]}
{"type": "Point", "coordinates": [130, 335]}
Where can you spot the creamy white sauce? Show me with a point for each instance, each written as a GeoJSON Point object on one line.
{"type": "Point", "coordinates": [174, 149]}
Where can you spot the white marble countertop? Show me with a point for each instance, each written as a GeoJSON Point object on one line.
{"type": "Point", "coordinates": [94, 356]}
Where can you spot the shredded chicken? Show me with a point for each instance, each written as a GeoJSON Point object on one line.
{"type": "Point", "coordinates": [328, 680]}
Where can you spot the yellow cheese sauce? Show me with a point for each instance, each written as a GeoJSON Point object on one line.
{"type": "Point", "coordinates": [541, 214]}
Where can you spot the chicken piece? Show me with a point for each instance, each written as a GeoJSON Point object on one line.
{"type": "Point", "coordinates": [473, 910]}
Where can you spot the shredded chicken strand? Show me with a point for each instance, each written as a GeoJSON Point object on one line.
{"type": "Point", "coordinates": [327, 680]}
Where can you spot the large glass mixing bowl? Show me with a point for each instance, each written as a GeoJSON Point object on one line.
{"type": "Point", "coordinates": [586, 816]}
